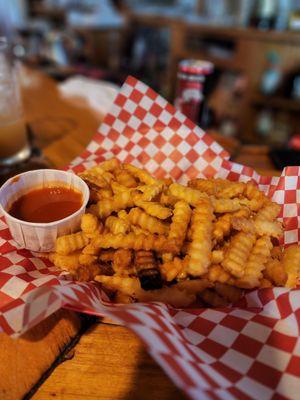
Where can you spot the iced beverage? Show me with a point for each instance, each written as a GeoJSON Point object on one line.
{"type": "Point", "coordinates": [12, 137]}
{"type": "Point", "coordinates": [13, 140]}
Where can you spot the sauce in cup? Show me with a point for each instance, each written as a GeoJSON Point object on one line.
{"type": "Point", "coordinates": [46, 204]}
{"type": "Point", "coordinates": [41, 205]}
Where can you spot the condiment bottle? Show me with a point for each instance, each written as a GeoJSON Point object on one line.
{"type": "Point", "coordinates": [190, 80]}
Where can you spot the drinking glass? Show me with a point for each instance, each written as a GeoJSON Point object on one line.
{"type": "Point", "coordinates": [14, 146]}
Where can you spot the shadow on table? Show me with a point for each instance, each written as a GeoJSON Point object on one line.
{"type": "Point", "coordinates": [151, 382]}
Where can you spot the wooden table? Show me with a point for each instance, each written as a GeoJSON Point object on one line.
{"type": "Point", "coordinates": [108, 362]}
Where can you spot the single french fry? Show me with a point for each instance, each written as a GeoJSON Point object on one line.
{"type": "Point", "coordinates": [69, 243]}
{"type": "Point", "coordinates": [167, 181]}
{"type": "Point", "coordinates": [147, 222]}
{"type": "Point", "coordinates": [275, 272]}
{"type": "Point", "coordinates": [68, 262]}
{"type": "Point", "coordinates": [127, 285]}
{"type": "Point", "coordinates": [199, 251]}
{"type": "Point", "coordinates": [291, 263]}
{"type": "Point", "coordinates": [191, 196]}
{"type": "Point", "coordinates": [152, 208]}
{"type": "Point", "coordinates": [86, 273]}
{"type": "Point", "coordinates": [203, 185]}
{"type": "Point", "coordinates": [118, 188]}
{"type": "Point", "coordinates": [90, 225]}
{"type": "Point", "coordinates": [110, 165]}
{"type": "Point", "coordinates": [226, 205]}
{"type": "Point", "coordinates": [137, 230]}
{"type": "Point", "coordinates": [87, 259]}
{"type": "Point", "coordinates": [89, 249]}
{"type": "Point", "coordinates": [233, 189]}
{"type": "Point", "coordinates": [217, 256]}
{"type": "Point", "coordinates": [104, 194]}
{"type": "Point", "coordinates": [98, 172]}
{"type": "Point", "coordinates": [147, 270]}
{"type": "Point", "coordinates": [265, 283]}
{"type": "Point", "coordinates": [107, 256]}
{"type": "Point", "coordinates": [122, 214]}
{"type": "Point", "coordinates": [269, 212]}
{"type": "Point", "coordinates": [239, 217]}
{"type": "Point", "coordinates": [167, 199]}
{"type": "Point", "coordinates": [222, 227]}
{"type": "Point", "coordinates": [108, 176]}
{"type": "Point", "coordinates": [222, 188]}
{"type": "Point", "coordinates": [94, 180]}
{"type": "Point", "coordinates": [255, 199]}
{"type": "Point", "coordinates": [217, 273]}
{"type": "Point", "coordinates": [122, 262]}
{"type": "Point", "coordinates": [170, 270]}
{"type": "Point", "coordinates": [243, 224]}
{"type": "Point", "coordinates": [180, 221]}
{"type": "Point", "coordinates": [116, 203]}
{"type": "Point", "coordinates": [117, 225]}
{"type": "Point", "coordinates": [243, 212]}
{"type": "Point", "coordinates": [141, 174]}
{"type": "Point", "coordinates": [150, 191]}
{"type": "Point", "coordinates": [135, 242]}
{"type": "Point", "coordinates": [167, 257]}
{"type": "Point", "coordinates": [268, 228]}
{"type": "Point", "coordinates": [238, 253]}
{"type": "Point", "coordinates": [260, 227]}
{"type": "Point", "coordinates": [256, 263]}
{"type": "Point", "coordinates": [126, 179]}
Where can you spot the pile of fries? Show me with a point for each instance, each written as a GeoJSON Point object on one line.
{"type": "Point", "coordinates": [146, 239]}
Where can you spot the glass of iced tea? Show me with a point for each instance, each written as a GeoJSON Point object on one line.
{"type": "Point", "coordinates": [14, 146]}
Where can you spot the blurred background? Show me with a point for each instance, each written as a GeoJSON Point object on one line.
{"type": "Point", "coordinates": [251, 97]}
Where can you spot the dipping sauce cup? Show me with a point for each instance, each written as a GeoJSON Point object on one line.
{"type": "Point", "coordinates": [37, 236]}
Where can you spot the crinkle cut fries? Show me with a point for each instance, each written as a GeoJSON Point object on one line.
{"type": "Point", "coordinates": [148, 239]}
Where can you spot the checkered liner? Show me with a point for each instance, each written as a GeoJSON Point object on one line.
{"type": "Point", "coordinates": [250, 351]}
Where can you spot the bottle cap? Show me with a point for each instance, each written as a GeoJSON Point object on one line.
{"type": "Point", "coordinates": [197, 67]}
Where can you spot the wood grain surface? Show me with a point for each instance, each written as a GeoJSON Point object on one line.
{"type": "Point", "coordinates": [109, 363]}
{"type": "Point", "coordinates": [23, 361]}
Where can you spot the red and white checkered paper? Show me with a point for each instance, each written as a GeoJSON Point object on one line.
{"type": "Point", "coordinates": [250, 351]}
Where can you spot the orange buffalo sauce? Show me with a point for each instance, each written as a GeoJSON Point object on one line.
{"type": "Point", "coordinates": [46, 204]}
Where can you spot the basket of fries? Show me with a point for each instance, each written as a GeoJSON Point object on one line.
{"type": "Point", "coordinates": [149, 239]}
{"type": "Point", "coordinates": [197, 255]}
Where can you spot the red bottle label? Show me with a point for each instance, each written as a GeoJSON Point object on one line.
{"type": "Point", "coordinates": [189, 98]}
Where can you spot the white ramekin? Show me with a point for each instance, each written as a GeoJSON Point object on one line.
{"type": "Point", "coordinates": [40, 237]}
